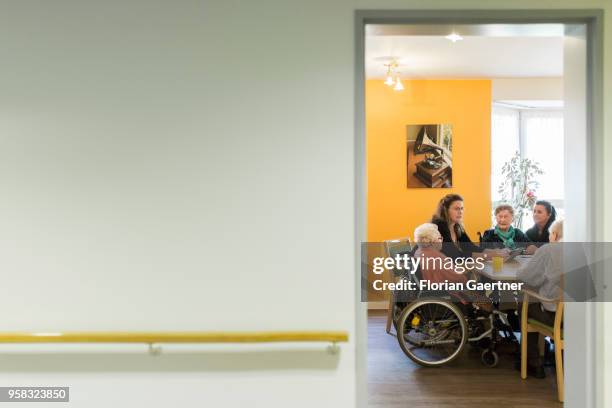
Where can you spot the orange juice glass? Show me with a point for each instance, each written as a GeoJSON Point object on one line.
{"type": "Point", "coordinates": [498, 263]}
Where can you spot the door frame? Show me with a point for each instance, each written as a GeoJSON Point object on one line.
{"type": "Point", "coordinates": [587, 388]}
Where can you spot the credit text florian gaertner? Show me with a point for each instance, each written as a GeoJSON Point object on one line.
{"type": "Point", "coordinates": [411, 264]}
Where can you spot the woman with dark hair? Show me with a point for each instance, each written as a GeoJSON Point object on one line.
{"type": "Point", "coordinates": [544, 214]}
{"type": "Point", "coordinates": [449, 219]}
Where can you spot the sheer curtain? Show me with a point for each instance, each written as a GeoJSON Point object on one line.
{"type": "Point", "coordinates": [505, 141]}
{"type": "Point", "coordinates": [542, 133]}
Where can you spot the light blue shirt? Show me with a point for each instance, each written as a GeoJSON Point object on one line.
{"type": "Point", "coordinates": [543, 271]}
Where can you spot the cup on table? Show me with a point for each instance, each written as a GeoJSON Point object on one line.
{"type": "Point", "coordinates": [498, 263]}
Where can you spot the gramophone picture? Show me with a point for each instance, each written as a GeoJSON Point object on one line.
{"type": "Point", "coordinates": [429, 156]}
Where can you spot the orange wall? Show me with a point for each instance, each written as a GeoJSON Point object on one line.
{"type": "Point", "coordinates": [393, 209]}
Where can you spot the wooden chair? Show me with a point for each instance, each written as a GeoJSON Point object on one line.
{"type": "Point", "coordinates": [395, 247]}
{"type": "Point", "coordinates": [529, 325]}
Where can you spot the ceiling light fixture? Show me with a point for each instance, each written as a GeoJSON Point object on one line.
{"type": "Point", "coordinates": [391, 66]}
{"type": "Point", "coordinates": [392, 77]}
{"type": "Point", "coordinates": [389, 81]}
{"type": "Point", "coordinates": [398, 84]}
{"type": "Point", "coordinates": [454, 37]}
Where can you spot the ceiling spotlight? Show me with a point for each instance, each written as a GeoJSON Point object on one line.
{"type": "Point", "coordinates": [398, 84]}
{"type": "Point", "coordinates": [454, 37]}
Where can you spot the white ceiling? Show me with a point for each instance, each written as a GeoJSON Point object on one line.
{"type": "Point", "coordinates": [521, 51]}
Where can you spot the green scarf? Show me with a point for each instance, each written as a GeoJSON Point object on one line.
{"type": "Point", "coordinates": [507, 237]}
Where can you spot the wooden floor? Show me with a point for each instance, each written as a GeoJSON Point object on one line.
{"type": "Point", "coordinates": [395, 381]}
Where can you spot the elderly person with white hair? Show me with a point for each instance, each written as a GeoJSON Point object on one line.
{"type": "Point", "coordinates": [429, 242]}
{"type": "Point", "coordinates": [543, 272]}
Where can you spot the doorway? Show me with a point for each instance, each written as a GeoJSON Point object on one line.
{"type": "Point", "coordinates": [581, 102]}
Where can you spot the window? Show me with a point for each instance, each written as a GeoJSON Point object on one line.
{"type": "Point", "coordinates": [537, 135]}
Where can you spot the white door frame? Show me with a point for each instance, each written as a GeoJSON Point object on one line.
{"type": "Point", "coordinates": [583, 387]}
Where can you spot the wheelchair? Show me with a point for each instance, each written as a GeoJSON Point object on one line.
{"type": "Point", "coordinates": [433, 328]}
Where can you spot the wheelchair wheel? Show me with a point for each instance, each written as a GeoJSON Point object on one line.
{"type": "Point", "coordinates": [432, 332]}
{"type": "Point", "coordinates": [489, 358]}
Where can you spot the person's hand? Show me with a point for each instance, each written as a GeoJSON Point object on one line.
{"type": "Point", "coordinates": [500, 252]}
{"type": "Point", "coordinates": [491, 253]}
{"type": "Point", "coordinates": [504, 252]}
{"type": "Point", "coordinates": [530, 250]}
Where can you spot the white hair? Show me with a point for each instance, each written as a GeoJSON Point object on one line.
{"type": "Point", "coordinates": [426, 234]}
{"type": "Point", "coordinates": [557, 228]}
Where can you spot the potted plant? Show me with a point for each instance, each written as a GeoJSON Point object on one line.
{"type": "Point", "coordinates": [519, 185]}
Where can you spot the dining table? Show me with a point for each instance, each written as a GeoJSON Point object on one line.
{"type": "Point", "coordinates": [509, 269]}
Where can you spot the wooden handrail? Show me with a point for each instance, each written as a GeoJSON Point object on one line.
{"type": "Point", "coordinates": [176, 337]}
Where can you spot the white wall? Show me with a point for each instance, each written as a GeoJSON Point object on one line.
{"type": "Point", "coordinates": [547, 88]}
{"type": "Point", "coordinates": [178, 165]}
{"type": "Point", "coordinates": [605, 310]}
{"type": "Point", "coordinates": [184, 165]}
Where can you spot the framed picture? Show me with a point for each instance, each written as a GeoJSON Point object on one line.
{"type": "Point", "coordinates": [429, 156]}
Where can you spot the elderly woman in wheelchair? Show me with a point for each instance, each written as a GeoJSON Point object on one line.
{"type": "Point", "coordinates": [433, 328]}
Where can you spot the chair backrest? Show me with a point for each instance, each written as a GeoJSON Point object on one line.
{"type": "Point", "coordinates": [559, 316]}
{"type": "Point", "coordinates": [398, 246]}
{"type": "Point", "coordinates": [402, 246]}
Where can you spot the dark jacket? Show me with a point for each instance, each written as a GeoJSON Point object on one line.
{"type": "Point", "coordinates": [536, 238]}
{"type": "Point", "coordinates": [464, 246]}
{"type": "Point", "coordinates": [491, 240]}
